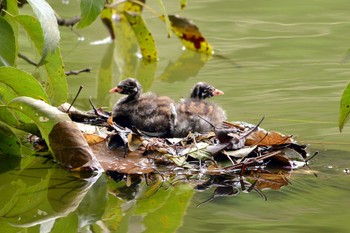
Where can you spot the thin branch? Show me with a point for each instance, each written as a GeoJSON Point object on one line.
{"type": "Point", "coordinates": [27, 59]}
{"type": "Point", "coordinates": [68, 22]}
{"type": "Point", "coordinates": [76, 96]}
{"type": "Point", "coordinates": [76, 72]}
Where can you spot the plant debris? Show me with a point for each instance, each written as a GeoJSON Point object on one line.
{"type": "Point", "coordinates": [238, 157]}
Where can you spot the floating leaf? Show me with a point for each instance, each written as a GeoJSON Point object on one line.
{"type": "Point", "coordinates": [189, 34]}
{"type": "Point", "coordinates": [55, 80]}
{"type": "Point", "coordinates": [48, 22]}
{"type": "Point", "coordinates": [90, 9]}
{"type": "Point", "coordinates": [344, 108]}
{"type": "Point", "coordinates": [8, 50]}
{"type": "Point", "coordinates": [113, 160]}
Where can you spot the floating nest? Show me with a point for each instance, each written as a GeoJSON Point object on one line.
{"type": "Point", "coordinates": [237, 156]}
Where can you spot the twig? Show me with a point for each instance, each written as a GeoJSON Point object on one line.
{"type": "Point", "coordinates": [75, 98]}
{"type": "Point", "coordinates": [68, 22]}
{"type": "Point", "coordinates": [76, 72]}
{"type": "Point", "coordinates": [27, 59]}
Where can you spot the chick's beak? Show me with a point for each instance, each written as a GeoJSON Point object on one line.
{"type": "Point", "coordinates": [217, 92]}
{"type": "Point", "coordinates": [115, 90]}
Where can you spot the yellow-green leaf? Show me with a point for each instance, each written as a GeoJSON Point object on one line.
{"type": "Point", "coordinates": [54, 77]}
{"type": "Point", "coordinates": [190, 35]}
{"type": "Point", "coordinates": [90, 9]}
{"type": "Point", "coordinates": [132, 12]}
{"type": "Point", "coordinates": [344, 108]}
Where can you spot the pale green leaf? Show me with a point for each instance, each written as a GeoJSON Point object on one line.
{"type": "Point", "coordinates": [344, 108]}
{"type": "Point", "coordinates": [12, 82]}
{"type": "Point", "coordinates": [166, 17]}
{"type": "Point", "coordinates": [42, 114]}
{"type": "Point", "coordinates": [55, 78]}
{"type": "Point", "coordinates": [8, 50]}
{"type": "Point", "coordinates": [90, 9]}
{"type": "Point", "coordinates": [48, 22]}
{"type": "Point", "coordinates": [11, 86]}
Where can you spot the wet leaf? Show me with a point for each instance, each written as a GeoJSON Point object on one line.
{"type": "Point", "coordinates": [90, 9]}
{"type": "Point", "coordinates": [223, 191]}
{"type": "Point", "coordinates": [344, 108]}
{"type": "Point", "coordinates": [190, 35]}
{"type": "Point", "coordinates": [8, 48]}
{"type": "Point", "coordinates": [242, 152]}
{"type": "Point", "coordinates": [134, 141]}
{"type": "Point", "coordinates": [93, 138]}
{"type": "Point", "coordinates": [113, 160]}
{"type": "Point", "coordinates": [272, 181]}
{"type": "Point", "coordinates": [49, 26]}
{"type": "Point", "coordinates": [54, 76]}
{"type": "Point", "coordinates": [263, 138]}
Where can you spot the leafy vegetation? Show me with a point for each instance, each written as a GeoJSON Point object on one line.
{"type": "Point", "coordinates": [49, 84]}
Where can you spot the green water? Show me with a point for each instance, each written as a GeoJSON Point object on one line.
{"type": "Point", "coordinates": [278, 59]}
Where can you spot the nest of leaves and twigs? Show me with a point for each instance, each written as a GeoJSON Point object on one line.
{"type": "Point", "coordinates": [237, 156]}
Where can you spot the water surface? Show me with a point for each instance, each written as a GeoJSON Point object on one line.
{"type": "Point", "coordinates": [278, 59]}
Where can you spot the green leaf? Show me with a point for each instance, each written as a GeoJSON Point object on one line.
{"type": "Point", "coordinates": [344, 108]}
{"type": "Point", "coordinates": [8, 50]}
{"type": "Point", "coordinates": [11, 86]}
{"type": "Point", "coordinates": [183, 4]}
{"type": "Point", "coordinates": [9, 143]}
{"type": "Point", "coordinates": [48, 22]}
{"type": "Point", "coordinates": [55, 80]}
{"type": "Point", "coordinates": [166, 17]}
{"type": "Point", "coordinates": [44, 115]}
{"type": "Point", "coordinates": [90, 9]}
{"type": "Point", "coordinates": [105, 73]}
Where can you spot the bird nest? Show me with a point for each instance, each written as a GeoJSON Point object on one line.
{"type": "Point", "coordinates": [235, 156]}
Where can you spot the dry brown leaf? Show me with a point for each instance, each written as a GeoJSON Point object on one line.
{"type": "Point", "coordinates": [272, 181]}
{"type": "Point", "coordinates": [133, 163]}
{"type": "Point", "coordinates": [93, 138]}
{"type": "Point", "coordinates": [69, 145]}
{"type": "Point", "coordinates": [134, 141]}
{"type": "Point", "coordinates": [263, 138]}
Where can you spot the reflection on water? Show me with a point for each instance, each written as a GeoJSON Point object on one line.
{"type": "Point", "coordinates": [282, 60]}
